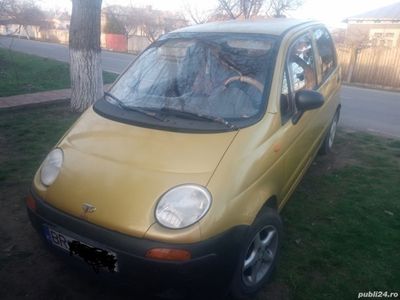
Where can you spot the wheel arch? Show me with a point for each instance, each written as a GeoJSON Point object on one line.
{"type": "Point", "coordinates": [270, 203]}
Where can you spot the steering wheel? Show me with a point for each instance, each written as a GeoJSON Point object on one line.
{"type": "Point", "coordinates": [246, 79]}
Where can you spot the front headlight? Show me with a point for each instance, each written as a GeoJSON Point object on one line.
{"type": "Point", "coordinates": [51, 166]}
{"type": "Point", "coordinates": [183, 206]}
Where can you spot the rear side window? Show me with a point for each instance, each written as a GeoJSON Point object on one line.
{"type": "Point", "coordinates": [326, 50]}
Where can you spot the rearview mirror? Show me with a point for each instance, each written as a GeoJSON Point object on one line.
{"type": "Point", "coordinates": [306, 100]}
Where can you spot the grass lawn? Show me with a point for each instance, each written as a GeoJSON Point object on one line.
{"type": "Point", "coordinates": [23, 73]}
{"type": "Point", "coordinates": [342, 224]}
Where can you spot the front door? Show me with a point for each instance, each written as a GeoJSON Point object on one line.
{"type": "Point", "coordinates": [299, 135]}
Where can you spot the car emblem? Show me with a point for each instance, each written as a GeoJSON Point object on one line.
{"type": "Point", "coordinates": [87, 208]}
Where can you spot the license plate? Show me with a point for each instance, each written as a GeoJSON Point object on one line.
{"type": "Point", "coordinates": [99, 259]}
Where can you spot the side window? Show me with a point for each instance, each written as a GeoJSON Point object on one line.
{"type": "Point", "coordinates": [300, 74]}
{"type": "Point", "coordinates": [285, 102]}
{"type": "Point", "coordinates": [326, 50]}
{"type": "Point", "coordinates": [301, 64]}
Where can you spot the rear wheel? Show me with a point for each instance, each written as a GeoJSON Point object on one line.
{"type": "Point", "coordinates": [326, 146]}
{"type": "Point", "coordinates": [259, 255]}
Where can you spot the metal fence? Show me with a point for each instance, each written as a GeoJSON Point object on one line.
{"type": "Point", "coordinates": [374, 67]}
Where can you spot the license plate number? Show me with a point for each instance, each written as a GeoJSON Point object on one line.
{"type": "Point", "coordinates": [99, 259]}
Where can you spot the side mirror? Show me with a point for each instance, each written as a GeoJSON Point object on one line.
{"type": "Point", "coordinates": [306, 100]}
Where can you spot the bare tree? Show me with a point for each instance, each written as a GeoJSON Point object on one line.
{"type": "Point", "coordinates": [195, 15]}
{"type": "Point", "coordinates": [126, 17]}
{"type": "Point", "coordinates": [279, 8]}
{"type": "Point", "coordinates": [144, 21]}
{"type": "Point", "coordinates": [114, 24]}
{"type": "Point", "coordinates": [150, 29]}
{"type": "Point", "coordinates": [85, 54]}
{"type": "Point", "coordinates": [23, 13]}
{"type": "Point", "coordinates": [239, 9]}
{"type": "Point", "coordinates": [357, 37]}
{"type": "Point", "coordinates": [4, 6]}
{"type": "Point", "coordinates": [243, 9]}
{"type": "Point", "coordinates": [152, 24]}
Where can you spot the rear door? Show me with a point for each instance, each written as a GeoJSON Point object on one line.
{"type": "Point", "coordinates": [328, 76]}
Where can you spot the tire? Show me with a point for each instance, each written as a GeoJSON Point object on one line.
{"type": "Point", "coordinates": [327, 144]}
{"type": "Point", "coordinates": [260, 253]}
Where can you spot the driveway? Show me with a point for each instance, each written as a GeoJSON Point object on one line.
{"type": "Point", "coordinates": [374, 111]}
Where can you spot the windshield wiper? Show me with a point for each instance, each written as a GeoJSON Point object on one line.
{"type": "Point", "coordinates": [199, 116]}
{"type": "Point", "coordinates": [122, 105]}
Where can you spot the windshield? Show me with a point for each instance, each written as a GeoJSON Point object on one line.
{"type": "Point", "coordinates": [221, 77]}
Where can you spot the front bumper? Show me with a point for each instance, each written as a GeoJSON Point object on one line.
{"type": "Point", "coordinates": [213, 261]}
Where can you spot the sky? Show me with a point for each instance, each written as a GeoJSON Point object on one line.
{"type": "Point", "coordinates": [330, 12]}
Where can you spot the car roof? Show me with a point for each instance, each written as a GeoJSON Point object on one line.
{"type": "Point", "coordinates": [272, 26]}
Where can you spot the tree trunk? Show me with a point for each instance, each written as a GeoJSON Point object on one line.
{"type": "Point", "coordinates": [26, 31]}
{"type": "Point", "coordinates": [85, 54]}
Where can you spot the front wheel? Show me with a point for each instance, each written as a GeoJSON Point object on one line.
{"type": "Point", "coordinates": [259, 256]}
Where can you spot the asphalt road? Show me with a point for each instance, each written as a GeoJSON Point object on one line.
{"type": "Point", "coordinates": [112, 61]}
{"type": "Point", "coordinates": [375, 111]}
{"type": "Point", "coordinates": [369, 110]}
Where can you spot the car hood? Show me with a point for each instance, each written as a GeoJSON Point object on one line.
{"type": "Point", "coordinates": [122, 170]}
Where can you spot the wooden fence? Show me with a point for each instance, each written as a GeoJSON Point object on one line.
{"type": "Point", "coordinates": [374, 67]}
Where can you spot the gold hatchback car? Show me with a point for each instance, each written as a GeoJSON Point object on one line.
{"type": "Point", "coordinates": [180, 171]}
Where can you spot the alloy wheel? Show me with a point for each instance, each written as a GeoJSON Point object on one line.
{"type": "Point", "coordinates": [260, 255]}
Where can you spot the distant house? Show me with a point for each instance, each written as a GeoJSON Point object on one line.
{"type": "Point", "coordinates": [51, 28]}
{"type": "Point", "coordinates": [7, 27]}
{"type": "Point", "coordinates": [61, 21]}
{"type": "Point", "coordinates": [379, 27]}
{"type": "Point", "coordinates": [58, 31]}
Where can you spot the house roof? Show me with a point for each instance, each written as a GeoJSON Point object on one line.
{"type": "Point", "coordinates": [273, 26]}
{"type": "Point", "coordinates": [390, 12]}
